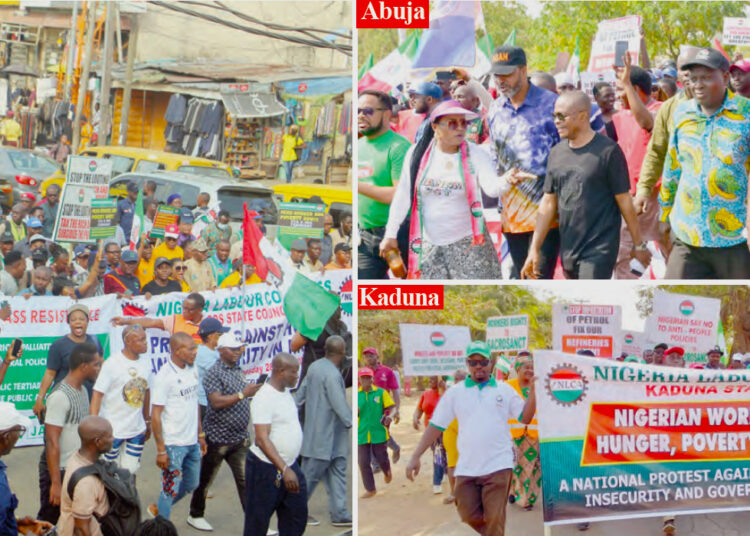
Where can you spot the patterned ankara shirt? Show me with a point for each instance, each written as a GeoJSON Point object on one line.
{"type": "Point", "coordinates": [704, 184]}
{"type": "Point", "coordinates": [229, 425]}
{"type": "Point", "coordinates": [522, 138]}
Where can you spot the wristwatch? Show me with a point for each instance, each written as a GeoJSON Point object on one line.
{"type": "Point", "coordinates": [641, 247]}
{"type": "Point", "coordinates": [240, 396]}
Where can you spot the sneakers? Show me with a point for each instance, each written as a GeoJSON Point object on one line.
{"type": "Point", "coordinates": [437, 490]}
{"type": "Point", "coordinates": [342, 523]}
{"type": "Point", "coordinates": [669, 527]}
{"type": "Point", "coordinates": [152, 510]}
{"type": "Point", "coordinates": [311, 521]}
{"type": "Point", "coordinates": [199, 523]}
{"type": "Point", "coordinates": [583, 526]}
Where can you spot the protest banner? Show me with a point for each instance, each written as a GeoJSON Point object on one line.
{"type": "Point", "coordinates": [165, 215]}
{"type": "Point", "coordinates": [627, 440]}
{"type": "Point", "coordinates": [587, 327]}
{"type": "Point", "coordinates": [103, 214]}
{"type": "Point", "coordinates": [691, 322]}
{"type": "Point", "coordinates": [339, 282]}
{"type": "Point", "coordinates": [433, 350]}
{"type": "Point", "coordinates": [736, 31]}
{"type": "Point", "coordinates": [589, 80]}
{"type": "Point", "coordinates": [633, 343]}
{"type": "Point", "coordinates": [86, 179]}
{"type": "Point", "coordinates": [610, 31]}
{"type": "Point", "coordinates": [300, 220]}
{"type": "Point", "coordinates": [508, 333]}
{"type": "Point", "coordinates": [38, 322]}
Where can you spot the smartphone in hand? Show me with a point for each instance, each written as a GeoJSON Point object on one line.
{"type": "Point", "coordinates": [621, 48]}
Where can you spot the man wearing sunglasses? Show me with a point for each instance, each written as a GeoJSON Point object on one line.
{"type": "Point", "coordinates": [381, 155]}
{"type": "Point", "coordinates": [483, 472]}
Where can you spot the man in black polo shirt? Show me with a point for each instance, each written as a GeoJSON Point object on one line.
{"type": "Point", "coordinates": [225, 424]}
{"type": "Point", "coordinates": [161, 283]}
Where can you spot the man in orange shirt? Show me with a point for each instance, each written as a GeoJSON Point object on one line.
{"type": "Point", "coordinates": [185, 322]}
{"type": "Point", "coordinates": [342, 258]}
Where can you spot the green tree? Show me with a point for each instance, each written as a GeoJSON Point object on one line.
{"type": "Point", "coordinates": [376, 41]}
{"type": "Point", "coordinates": [464, 306]}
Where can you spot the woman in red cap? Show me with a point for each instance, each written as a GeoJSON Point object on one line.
{"type": "Point", "coordinates": [374, 407]}
{"type": "Point", "coordinates": [448, 238]}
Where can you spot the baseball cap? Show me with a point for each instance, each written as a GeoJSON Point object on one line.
{"type": "Point", "coordinates": [162, 260]}
{"type": "Point", "coordinates": [478, 348]}
{"type": "Point", "coordinates": [186, 216]}
{"type": "Point", "coordinates": [669, 71]}
{"type": "Point", "coordinates": [299, 244]}
{"type": "Point", "coordinates": [171, 231]}
{"type": "Point", "coordinates": [428, 89]}
{"type": "Point", "coordinates": [675, 350]}
{"type": "Point", "coordinates": [132, 187]}
{"type": "Point", "coordinates": [505, 59]}
{"type": "Point", "coordinates": [708, 57]}
{"type": "Point", "coordinates": [7, 236]}
{"type": "Point", "coordinates": [451, 107]}
{"type": "Point", "coordinates": [28, 195]}
{"type": "Point", "coordinates": [342, 246]}
{"type": "Point", "coordinates": [200, 245]}
{"type": "Point", "coordinates": [365, 371]}
{"type": "Point", "coordinates": [369, 350]}
{"type": "Point", "coordinates": [37, 238]}
{"type": "Point", "coordinates": [230, 340]}
{"type": "Point", "coordinates": [9, 113]}
{"type": "Point", "coordinates": [40, 254]}
{"type": "Point", "coordinates": [129, 256]}
{"type": "Point", "coordinates": [211, 325]}
{"type": "Point", "coordinates": [742, 65]}
{"type": "Point", "coordinates": [78, 307]}
{"type": "Point", "coordinates": [10, 417]}
{"type": "Point", "coordinates": [564, 79]}
{"type": "Point", "coordinates": [715, 350]}
{"type": "Point", "coordinates": [34, 223]}
{"type": "Point", "coordinates": [661, 345]}
{"type": "Point", "coordinates": [738, 357]}
{"type": "Point", "coordinates": [79, 250]}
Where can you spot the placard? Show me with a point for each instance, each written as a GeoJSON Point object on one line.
{"type": "Point", "coordinates": [508, 333]}
{"type": "Point", "coordinates": [103, 215]}
{"type": "Point", "coordinates": [165, 215]}
{"type": "Point", "coordinates": [86, 179]}
{"type": "Point", "coordinates": [736, 31]}
{"type": "Point", "coordinates": [300, 220]}
{"type": "Point", "coordinates": [586, 327]}
{"type": "Point", "coordinates": [633, 343]}
{"type": "Point", "coordinates": [607, 34]}
{"type": "Point", "coordinates": [433, 350]}
{"type": "Point", "coordinates": [589, 80]}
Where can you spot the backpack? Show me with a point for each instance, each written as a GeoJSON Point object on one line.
{"type": "Point", "coordinates": [124, 513]}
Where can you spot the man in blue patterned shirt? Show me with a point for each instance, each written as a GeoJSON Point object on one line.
{"type": "Point", "coordinates": [522, 132]}
{"type": "Point", "coordinates": [704, 186]}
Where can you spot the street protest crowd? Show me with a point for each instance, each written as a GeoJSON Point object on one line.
{"type": "Point", "coordinates": [481, 426]}
{"type": "Point", "coordinates": [100, 407]}
{"type": "Point", "coordinates": [645, 178]}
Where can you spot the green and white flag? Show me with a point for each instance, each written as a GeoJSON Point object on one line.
{"type": "Point", "coordinates": [137, 228]}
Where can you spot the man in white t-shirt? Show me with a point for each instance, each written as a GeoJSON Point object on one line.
{"type": "Point", "coordinates": [180, 441]}
{"type": "Point", "coordinates": [484, 469]}
{"type": "Point", "coordinates": [121, 395]}
{"type": "Point", "coordinates": [273, 479]}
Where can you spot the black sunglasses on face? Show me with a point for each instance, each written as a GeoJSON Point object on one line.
{"type": "Point", "coordinates": [477, 362]}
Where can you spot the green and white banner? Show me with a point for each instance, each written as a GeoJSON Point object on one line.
{"type": "Point", "coordinates": [626, 440]}
{"type": "Point", "coordinates": [508, 333]}
{"type": "Point", "coordinates": [433, 350]}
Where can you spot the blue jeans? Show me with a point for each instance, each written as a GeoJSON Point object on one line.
{"type": "Point", "coordinates": [288, 168]}
{"type": "Point", "coordinates": [181, 478]}
{"type": "Point", "coordinates": [127, 452]}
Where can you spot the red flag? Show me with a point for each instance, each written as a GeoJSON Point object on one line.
{"type": "Point", "coordinates": [717, 46]}
{"type": "Point", "coordinates": [252, 236]}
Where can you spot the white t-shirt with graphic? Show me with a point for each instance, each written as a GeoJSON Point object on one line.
{"type": "Point", "coordinates": [124, 384]}
{"type": "Point", "coordinates": [277, 408]}
{"type": "Point", "coordinates": [176, 389]}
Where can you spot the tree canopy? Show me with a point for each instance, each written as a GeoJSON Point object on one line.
{"type": "Point", "coordinates": [666, 25]}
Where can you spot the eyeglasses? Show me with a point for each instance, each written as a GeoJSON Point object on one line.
{"type": "Point", "coordinates": [179, 268]}
{"type": "Point", "coordinates": [454, 124]}
{"type": "Point", "coordinates": [477, 362]}
{"type": "Point", "coordinates": [562, 117]}
{"type": "Point", "coordinates": [369, 111]}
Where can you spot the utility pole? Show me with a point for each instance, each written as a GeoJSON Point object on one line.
{"type": "Point", "coordinates": [69, 67]}
{"type": "Point", "coordinates": [104, 115]}
{"type": "Point", "coordinates": [127, 91]}
{"type": "Point", "coordinates": [84, 82]}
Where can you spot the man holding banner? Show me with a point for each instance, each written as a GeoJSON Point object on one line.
{"type": "Point", "coordinates": [484, 469]}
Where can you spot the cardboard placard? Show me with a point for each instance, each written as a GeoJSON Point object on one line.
{"type": "Point", "coordinates": [165, 215]}
{"type": "Point", "coordinates": [103, 214]}
{"type": "Point", "coordinates": [300, 220]}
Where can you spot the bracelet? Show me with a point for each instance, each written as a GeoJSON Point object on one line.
{"type": "Point", "coordinates": [161, 453]}
{"type": "Point", "coordinates": [201, 435]}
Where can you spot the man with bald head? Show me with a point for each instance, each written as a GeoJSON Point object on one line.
{"type": "Point", "coordinates": [78, 514]}
{"type": "Point", "coordinates": [328, 419]}
{"type": "Point", "coordinates": [587, 187]}
{"type": "Point", "coordinates": [274, 481]}
{"type": "Point", "coordinates": [180, 441]}
{"type": "Point", "coordinates": [477, 130]}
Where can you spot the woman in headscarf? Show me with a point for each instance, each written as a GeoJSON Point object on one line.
{"type": "Point", "coordinates": [448, 238]}
{"type": "Point", "coordinates": [525, 488]}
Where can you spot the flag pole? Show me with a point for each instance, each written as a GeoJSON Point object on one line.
{"type": "Point", "coordinates": [242, 305]}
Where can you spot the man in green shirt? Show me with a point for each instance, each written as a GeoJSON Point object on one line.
{"type": "Point", "coordinates": [374, 407]}
{"type": "Point", "coordinates": [381, 155]}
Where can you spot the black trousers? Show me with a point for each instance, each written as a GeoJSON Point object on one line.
{"type": "Point", "coordinates": [692, 262]}
{"type": "Point", "coordinates": [519, 243]}
{"type": "Point", "coordinates": [265, 494]}
{"type": "Point", "coordinates": [365, 454]}
{"type": "Point", "coordinates": [234, 455]}
{"type": "Point", "coordinates": [47, 512]}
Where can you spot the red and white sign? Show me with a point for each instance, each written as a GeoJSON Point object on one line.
{"type": "Point", "coordinates": [607, 34]}
{"type": "Point", "coordinates": [433, 350]}
{"type": "Point", "coordinates": [736, 31]}
{"type": "Point", "coordinates": [587, 327]}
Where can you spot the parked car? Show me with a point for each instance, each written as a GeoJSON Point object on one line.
{"type": "Point", "coordinates": [126, 159]}
{"type": "Point", "coordinates": [231, 193]}
{"type": "Point", "coordinates": [22, 171]}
